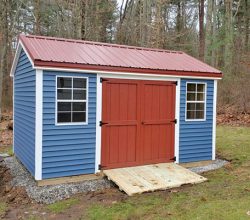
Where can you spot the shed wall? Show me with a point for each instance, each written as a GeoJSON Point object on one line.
{"type": "Point", "coordinates": [196, 136]}
{"type": "Point", "coordinates": [67, 149]}
{"type": "Point", "coordinates": [24, 112]}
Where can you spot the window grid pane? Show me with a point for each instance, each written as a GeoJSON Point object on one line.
{"type": "Point", "coordinates": [71, 109]}
{"type": "Point", "coordinates": [195, 107]}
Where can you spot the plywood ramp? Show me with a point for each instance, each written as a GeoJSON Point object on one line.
{"type": "Point", "coordinates": [148, 178]}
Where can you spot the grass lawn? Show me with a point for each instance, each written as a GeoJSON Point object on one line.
{"type": "Point", "coordinates": [225, 196]}
{"type": "Point", "coordinates": [62, 206]}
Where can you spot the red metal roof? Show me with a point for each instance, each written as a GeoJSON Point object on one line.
{"type": "Point", "coordinates": [67, 53]}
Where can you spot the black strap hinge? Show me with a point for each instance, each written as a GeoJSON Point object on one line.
{"type": "Point", "coordinates": [175, 121]}
{"type": "Point", "coordinates": [100, 167]}
{"type": "Point", "coordinates": [102, 80]}
{"type": "Point", "coordinates": [173, 159]}
{"type": "Point", "coordinates": [101, 123]}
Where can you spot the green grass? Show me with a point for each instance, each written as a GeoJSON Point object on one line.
{"type": "Point", "coordinates": [7, 149]}
{"type": "Point", "coordinates": [233, 143]}
{"type": "Point", "coordinates": [10, 151]}
{"type": "Point", "coordinates": [61, 206]}
{"type": "Point", "coordinates": [225, 196]}
{"type": "Point", "coordinates": [3, 208]}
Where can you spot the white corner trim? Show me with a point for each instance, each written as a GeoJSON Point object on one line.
{"type": "Point", "coordinates": [214, 120]}
{"type": "Point", "coordinates": [98, 118]}
{"type": "Point", "coordinates": [13, 112]}
{"type": "Point", "coordinates": [20, 46]}
{"type": "Point", "coordinates": [39, 124]}
{"type": "Point", "coordinates": [177, 125]}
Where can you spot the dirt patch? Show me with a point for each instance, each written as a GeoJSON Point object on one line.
{"type": "Point", "coordinates": [20, 206]}
{"type": "Point", "coordinates": [6, 132]}
{"type": "Point", "coordinates": [12, 196]}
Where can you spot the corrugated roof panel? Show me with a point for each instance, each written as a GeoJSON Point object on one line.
{"type": "Point", "coordinates": [66, 52]}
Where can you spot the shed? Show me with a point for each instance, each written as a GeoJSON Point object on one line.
{"type": "Point", "coordinates": [81, 106]}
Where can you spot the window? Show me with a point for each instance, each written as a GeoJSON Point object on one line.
{"type": "Point", "coordinates": [195, 104]}
{"type": "Point", "coordinates": [71, 100]}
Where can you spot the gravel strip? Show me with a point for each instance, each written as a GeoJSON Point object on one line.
{"type": "Point", "coordinates": [216, 164]}
{"type": "Point", "coordinates": [50, 194]}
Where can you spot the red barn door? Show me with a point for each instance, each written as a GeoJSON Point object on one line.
{"type": "Point", "coordinates": [137, 122]}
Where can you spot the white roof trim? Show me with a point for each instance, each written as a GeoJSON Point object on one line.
{"type": "Point", "coordinates": [20, 46]}
{"type": "Point", "coordinates": [123, 73]}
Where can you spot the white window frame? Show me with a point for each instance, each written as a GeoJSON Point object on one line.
{"type": "Point", "coordinates": [205, 102]}
{"type": "Point", "coordinates": [87, 101]}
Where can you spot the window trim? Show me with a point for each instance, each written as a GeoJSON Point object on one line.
{"type": "Point", "coordinates": [87, 102]}
{"type": "Point", "coordinates": [205, 102]}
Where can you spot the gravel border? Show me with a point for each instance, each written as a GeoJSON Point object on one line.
{"type": "Point", "coordinates": [51, 194]}
{"type": "Point", "coordinates": [216, 164]}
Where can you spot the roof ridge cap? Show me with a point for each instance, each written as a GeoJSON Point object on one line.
{"type": "Point", "coordinates": [101, 44]}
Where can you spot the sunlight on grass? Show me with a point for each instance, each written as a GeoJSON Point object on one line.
{"type": "Point", "coordinates": [61, 206]}
{"type": "Point", "coordinates": [225, 195]}
{"type": "Point", "coordinates": [3, 208]}
{"type": "Point", "coordinates": [10, 151]}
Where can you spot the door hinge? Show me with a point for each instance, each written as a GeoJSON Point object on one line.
{"type": "Point", "coordinates": [100, 167]}
{"type": "Point", "coordinates": [101, 123]}
{"type": "Point", "coordinates": [175, 121]}
{"type": "Point", "coordinates": [173, 159]}
{"type": "Point", "coordinates": [176, 82]}
{"type": "Point", "coordinates": [102, 80]}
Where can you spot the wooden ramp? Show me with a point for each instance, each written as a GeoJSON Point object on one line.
{"type": "Point", "coordinates": [148, 178]}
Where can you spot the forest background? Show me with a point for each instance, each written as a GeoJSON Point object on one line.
{"type": "Point", "coordinates": [214, 31]}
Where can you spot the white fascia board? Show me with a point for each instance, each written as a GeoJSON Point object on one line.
{"type": "Point", "coordinates": [137, 76]}
{"type": "Point", "coordinates": [120, 74]}
{"type": "Point", "coordinates": [20, 46]}
{"type": "Point", "coordinates": [214, 120]}
{"type": "Point", "coordinates": [39, 124]}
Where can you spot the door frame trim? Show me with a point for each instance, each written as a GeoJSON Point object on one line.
{"type": "Point", "coordinates": [132, 77]}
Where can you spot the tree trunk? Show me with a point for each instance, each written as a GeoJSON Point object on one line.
{"type": "Point", "coordinates": [37, 13]}
{"type": "Point", "coordinates": [201, 30]}
{"type": "Point", "coordinates": [4, 61]}
{"type": "Point", "coordinates": [228, 36]}
{"type": "Point", "coordinates": [82, 17]}
{"type": "Point", "coordinates": [247, 27]}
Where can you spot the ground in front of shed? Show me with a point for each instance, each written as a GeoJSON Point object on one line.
{"type": "Point", "coordinates": [225, 196]}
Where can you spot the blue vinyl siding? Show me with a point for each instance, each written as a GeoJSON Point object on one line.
{"type": "Point", "coordinates": [67, 149]}
{"type": "Point", "coordinates": [24, 112]}
{"type": "Point", "coordinates": [196, 136]}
